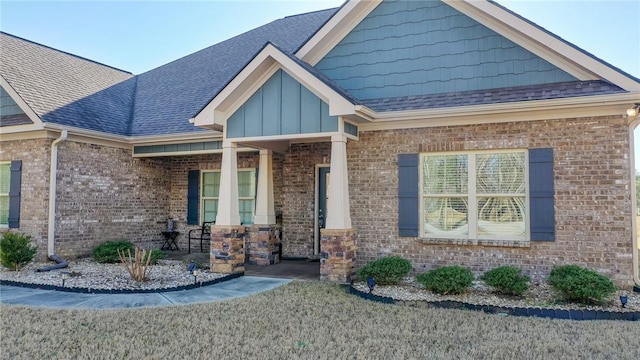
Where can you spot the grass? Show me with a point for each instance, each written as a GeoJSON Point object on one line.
{"type": "Point", "coordinates": [304, 320]}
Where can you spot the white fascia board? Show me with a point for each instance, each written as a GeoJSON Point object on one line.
{"type": "Point", "coordinates": [254, 75]}
{"type": "Point", "coordinates": [339, 26]}
{"type": "Point", "coordinates": [213, 113]}
{"type": "Point", "coordinates": [21, 103]}
{"type": "Point", "coordinates": [541, 43]}
{"type": "Point", "coordinates": [85, 136]}
{"type": "Point", "coordinates": [291, 137]}
{"type": "Point", "coordinates": [175, 138]}
{"type": "Point", "coordinates": [15, 129]}
{"type": "Point", "coordinates": [599, 105]}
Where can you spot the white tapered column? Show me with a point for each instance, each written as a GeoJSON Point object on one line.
{"type": "Point", "coordinates": [265, 209]}
{"type": "Point", "coordinates": [338, 208]}
{"type": "Point", "coordinates": [228, 211]}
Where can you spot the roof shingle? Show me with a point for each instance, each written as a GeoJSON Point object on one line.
{"type": "Point", "coordinates": [493, 96]}
{"type": "Point", "coordinates": [67, 89]}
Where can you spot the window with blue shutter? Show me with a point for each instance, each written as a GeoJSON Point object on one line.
{"type": "Point", "coordinates": [497, 191]}
{"type": "Point", "coordinates": [15, 185]}
{"type": "Point", "coordinates": [193, 197]}
{"type": "Point", "coordinates": [541, 195]}
{"type": "Point", "coordinates": [408, 195]}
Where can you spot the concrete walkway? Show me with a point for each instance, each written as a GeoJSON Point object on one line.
{"type": "Point", "coordinates": [235, 288]}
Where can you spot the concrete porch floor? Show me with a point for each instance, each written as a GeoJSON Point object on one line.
{"type": "Point", "coordinates": [286, 269]}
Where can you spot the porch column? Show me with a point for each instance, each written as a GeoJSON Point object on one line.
{"type": "Point", "coordinates": [338, 209]}
{"type": "Point", "coordinates": [337, 242]}
{"type": "Point", "coordinates": [262, 245]}
{"type": "Point", "coordinates": [227, 235]}
{"type": "Point", "coordinates": [228, 211]}
{"type": "Point", "coordinates": [265, 210]}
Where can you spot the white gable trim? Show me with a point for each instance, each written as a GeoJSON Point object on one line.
{"type": "Point", "coordinates": [586, 106]}
{"type": "Point", "coordinates": [556, 51]}
{"type": "Point", "coordinates": [254, 75]}
{"type": "Point", "coordinates": [37, 123]}
{"type": "Point", "coordinates": [339, 26]}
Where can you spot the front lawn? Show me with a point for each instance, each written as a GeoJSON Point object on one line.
{"type": "Point", "coordinates": [308, 320]}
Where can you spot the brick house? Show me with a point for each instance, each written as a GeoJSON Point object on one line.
{"type": "Point", "coordinates": [446, 132]}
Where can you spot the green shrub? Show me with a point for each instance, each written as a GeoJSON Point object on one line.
{"type": "Point", "coordinates": [107, 252]}
{"type": "Point", "coordinates": [581, 285]}
{"type": "Point", "coordinates": [157, 254]}
{"type": "Point", "coordinates": [507, 280]}
{"type": "Point", "coordinates": [16, 250]}
{"type": "Point", "coordinates": [447, 280]}
{"type": "Point", "coordinates": [386, 271]}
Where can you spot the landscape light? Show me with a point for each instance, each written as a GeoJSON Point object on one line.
{"type": "Point", "coordinates": [195, 273]}
{"type": "Point", "coordinates": [623, 300]}
{"type": "Point", "coordinates": [371, 283]}
{"type": "Point", "coordinates": [64, 275]}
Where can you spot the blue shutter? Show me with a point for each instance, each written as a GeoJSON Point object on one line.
{"type": "Point", "coordinates": [408, 195]}
{"type": "Point", "coordinates": [193, 197]}
{"type": "Point", "coordinates": [541, 195]}
{"type": "Point", "coordinates": [15, 184]}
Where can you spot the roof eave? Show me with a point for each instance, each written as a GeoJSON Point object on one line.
{"type": "Point", "coordinates": [596, 105]}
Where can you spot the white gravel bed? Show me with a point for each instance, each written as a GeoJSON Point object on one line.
{"type": "Point", "coordinates": [538, 295]}
{"type": "Point", "coordinates": [86, 273]}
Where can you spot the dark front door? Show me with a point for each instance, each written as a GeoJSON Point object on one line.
{"type": "Point", "coordinates": [323, 195]}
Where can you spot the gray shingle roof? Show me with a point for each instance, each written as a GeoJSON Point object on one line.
{"type": "Point", "coordinates": [69, 90]}
{"type": "Point", "coordinates": [494, 96]}
{"type": "Point", "coordinates": [66, 89]}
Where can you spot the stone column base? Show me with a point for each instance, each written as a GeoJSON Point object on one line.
{"type": "Point", "coordinates": [338, 251]}
{"type": "Point", "coordinates": [227, 249]}
{"type": "Point", "coordinates": [263, 245]}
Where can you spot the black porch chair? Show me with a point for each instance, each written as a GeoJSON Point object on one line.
{"type": "Point", "coordinates": [204, 233]}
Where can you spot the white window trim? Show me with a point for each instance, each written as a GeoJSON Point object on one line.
{"type": "Point", "coordinates": [203, 198]}
{"type": "Point", "coordinates": [472, 196]}
{"type": "Point", "coordinates": [6, 226]}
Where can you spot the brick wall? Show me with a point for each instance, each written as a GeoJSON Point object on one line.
{"type": "Point", "coordinates": [299, 201]}
{"type": "Point", "coordinates": [106, 194]}
{"type": "Point", "coordinates": [35, 187]}
{"type": "Point", "coordinates": [179, 169]}
{"type": "Point", "coordinates": [593, 206]}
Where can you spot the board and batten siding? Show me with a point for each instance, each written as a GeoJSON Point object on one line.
{"type": "Point", "coordinates": [281, 106]}
{"type": "Point", "coordinates": [405, 48]}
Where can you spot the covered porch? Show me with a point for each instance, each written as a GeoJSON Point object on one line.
{"type": "Point", "coordinates": [285, 111]}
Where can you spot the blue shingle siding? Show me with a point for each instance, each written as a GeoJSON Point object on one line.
{"type": "Point", "coordinates": [405, 48]}
{"type": "Point", "coordinates": [281, 106]}
{"type": "Point", "coordinates": [7, 105]}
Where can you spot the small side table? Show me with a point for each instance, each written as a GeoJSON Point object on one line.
{"type": "Point", "coordinates": [170, 240]}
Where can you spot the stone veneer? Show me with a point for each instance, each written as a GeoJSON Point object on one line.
{"type": "Point", "coordinates": [338, 252]}
{"type": "Point", "coordinates": [263, 246]}
{"type": "Point", "coordinates": [592, 186]}
{"type": "Point", "coordinates": [227, 249]}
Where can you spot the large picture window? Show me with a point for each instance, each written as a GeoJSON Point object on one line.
{"type": "Point", "coordinates": [246, 195]}
{"type": "Point", "coordinates": [474, 195]}
{"type": "Point", "coordinates": [5, 180]}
